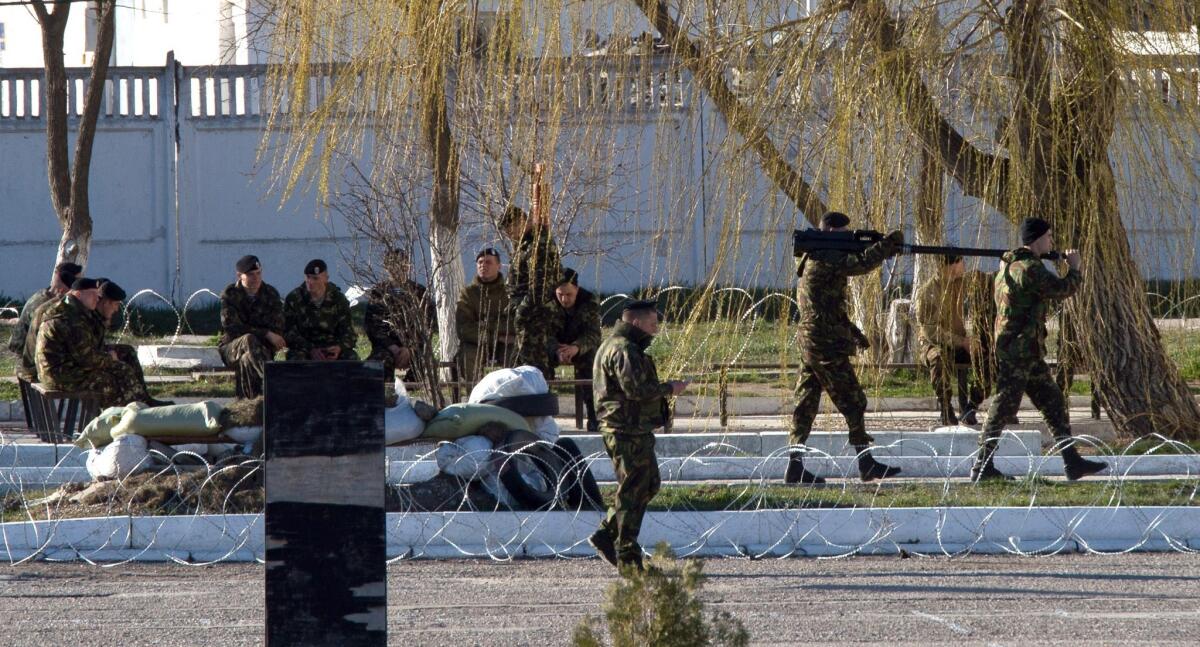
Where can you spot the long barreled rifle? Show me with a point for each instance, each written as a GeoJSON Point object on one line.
{"type": "Point", "coordinates": [811, 240]}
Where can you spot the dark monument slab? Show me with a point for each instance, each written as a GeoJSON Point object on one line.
{"type": "Point", "coordinates": [326, 575]}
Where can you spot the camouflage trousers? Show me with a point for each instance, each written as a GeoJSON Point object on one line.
{"type": "Point", "coordinates": [298, 356]}
{"type": "Point", "coordinates": [535, 337]}
{"type": "Point", "coordinates": [943, 372]}
{"type": "Point", "coordinates": [638, 480]}
{"type": "Point", "coordinates": [415, 369]}
{"type": "Point", "coordinates": [836, 377]}
{"type": "Point", "coordinates": [247, 356]}
{"type": "Point", "coordinates": [472, 359]}
{"type": "Point", "coordinates": [1030, 377]}
{"type": "Point", "coordinates": [116, 385]}
{"type": "Point", "coordinates": [583, 371]}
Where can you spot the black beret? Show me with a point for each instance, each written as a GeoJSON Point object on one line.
{"type": "Point", "coordinates": [110, 290]}
{"type": "Point", "coordinates": [488, 251]}
{"type": "Point", "coordinates": [641, 307]}
{"type": "Point", "coordinates": [82, 283]}
{"type": "Point", "coordinates": [835, 219]}
{"type": "Point", "coordinates": [247, 264]}
{"type": "Point", "coordinates": [315, 266]}
{"type": "Point", "coordinates": [569, 276]}
{"type": "Point", "coordinates": [1033, 229]}
{"type": "Point", "coordinates": [511, 215]}
{"type": "Point", "coordinates": [68, 272]}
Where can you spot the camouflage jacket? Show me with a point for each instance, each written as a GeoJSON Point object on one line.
{"type": "Point", "coordinates": [535, 270]}
{"type": "Point", "coordinates": [1024, 289]}
{"type": "Point", "coordinates": [580, 325]}
{"type": "Point", "coordinates": [629, 397]}
{"type": "Point", "coordinates": [28, 366]}
{"type": "Point", "coordinates": [242, 314]}
{"type": "Point", "coordinates": [481, 313]}
{"type": "Point", "coordinates": [825, 329]}
{"type": "Point", "coordinates": [16, 343]}
{"type": "Point", "coordinates": [68, 345]}
{"type": "Point", "coordinates": [981, 307]}
{"type": "Point", "coordinates": [940, 313]}
{"type": "Point", "coordinates": [307, 325]}
{"type": "Point", "coordinates": [403, 315]}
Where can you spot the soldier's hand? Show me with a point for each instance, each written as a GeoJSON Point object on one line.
{"type": "Point", "coordinates": [276, 340]}
{"type": "Point", "coordinates": [1072, 256]}
{"type": "Point", "coordinates": [316, 354]}
{"type": "Point", "coordinates": [895, 239]}
{"type": "Point", "coordinates": [333, 352]}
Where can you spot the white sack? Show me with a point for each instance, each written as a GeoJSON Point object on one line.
{"type": "Point", "coordinates": [119, 459]}
{"type": "Point", "coordinates": [467, 458]}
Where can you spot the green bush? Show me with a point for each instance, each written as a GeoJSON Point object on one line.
{"type": "Point", "coordinates": [659, 607]}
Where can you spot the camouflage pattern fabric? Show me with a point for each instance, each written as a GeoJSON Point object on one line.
{"type": "Point", "coordinates": [27, 367]}
{"type": "Point", "coordinates": [533, 275]}
{"type": "Point", "coordinates": [981, 311]}
{"type": "Point", "coordinates": [1024, 290]}
{"type": "Point", "coordinates": [827, 339]}
{"type": "Point", "coordinates": [309, 325]}
{"type": "Point", "coordinates": [247, 356]}
{"type": "Point", "coordinates": [16, 342]}
{"type": "Point", "coordinates": [403, 315]}
{"type": "Point", "coordinates": [939, 305]}
{"type": "Point", "coordinates": [579, 325]}
{"type": "Point", "coordinates": [70, 358]}
{"type": "Point", "coordinates": [944, 372]}
{"type": "Point", "coordinates": [638, 480]}
{"type": "Point", "coordinates": [481, 316]}
{"type": "Point", "coordinates": [630, 400]}
{"type": "Point", "coordinates": [245, 322]}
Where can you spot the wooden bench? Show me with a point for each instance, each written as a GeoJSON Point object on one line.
{"type": "Point", "coordinates": [57, 416]}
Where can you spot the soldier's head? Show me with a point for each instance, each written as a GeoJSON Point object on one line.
{"type": "Point", "coordinates": [953, 266]}
{"type": "Point", "coordinates": [249, 273]}
{"type": "Point", "coordinates": [513, 222]}
{"type": "Point", "coordinates": [643, 315]}
{"type": "Point", "coordinates": [568, 288]}
{"type": "Point", "coordinates": [1037, 236]}
{"type": "Point", "coordinates": [64, 275]}
{"type": "Point", "coordinates": [487, 264]}
{"type": "Point", "coordinates": [111, 298]}
{"type": "Point", "coordinates": [316, 278]}
{"type": "Point", "coordinates": [86, 291]}
{"type": "Point", "coordinates": [835, 221]}
{"type": "Point", "coordinates": [397, 265]}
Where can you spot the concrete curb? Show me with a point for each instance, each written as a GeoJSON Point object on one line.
{"type": "Point", "coordinates": [764, 533]}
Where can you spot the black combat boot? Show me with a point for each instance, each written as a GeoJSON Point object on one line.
{"type": "Point", "coordinates": [969, 416]}
{"type": "Point", "coordinates": [984, 469]}
{"type": "Point", "coordinates": [796, 472]}
{"type": "Point", "coordinates": [1076, 466]}
{"type": "Point", "coordinates": [603, 543]}
{"type": "Point", "coordinates": [870, 469]}
{"type": "Point", "coordinates": [947, 412]}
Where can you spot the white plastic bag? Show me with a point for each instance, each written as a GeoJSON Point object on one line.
{"type": "Point", "coordinates": [469, 457]}
{"type": "Point", "coordinates": [120, 458]}
{"type": "Point", "coordinates": [243, 435]}
{"type": "Point", "coordinates": [522, 380]}
{"type": "Point", "coordinates": [401, 423]}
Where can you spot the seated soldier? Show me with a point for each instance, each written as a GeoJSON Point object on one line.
{"type": "Point", "coordinates": [575, 334]}
{"type": "Point", "coordinates": [400, 319]}
{"type": "Point", "coordinates": [482, 318]}
{"type": "Point", "coordinates": [945, 348]}
{"type": "Point", "coordinates": [64, 275]}
{"type": "Point", "coordinates": [316, 318]}
{"type": "Point", "coordinates": [251, 326]}
{"type": "Point", "coordinates": [24, 337]}
{"type": "Point", "coordinates": [111, 299]}
{"type": "Point", "coordinates": [68, 351]}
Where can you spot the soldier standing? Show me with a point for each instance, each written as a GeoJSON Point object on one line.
{"type": "Point", "coordinates": [316, 318]}
{"type": "Point", "coordinates": [532, 278]}
{"type": "Point", "coordinates": [1024, 290]}
{"type": "Point", "coordinates": [827, 340]}
{"type": "Point", "coordinates": [576, 329]}
{"type": "Point", "coordinates": [251, 326]}
{"type": "Point", "coordinates": [68, 351]}
{"type": "Point", "coordinates": [631, 404]}
{"type": "Point", "coordinates": [482, 318]}
{"type": "Point", "coordinates": [399, 320]}
{"type": "Point", "coordinates": [945, 348]}
{"type": "Point", "coordinates": [24, 335]}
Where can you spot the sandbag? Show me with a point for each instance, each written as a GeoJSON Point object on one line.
{"type": "Point", "coordinates": [120, 458]}
{"type": "Point", "coordinates": [467, 458]}
{"type": "Point", "coordinates": [458, 420]}
{"type": "Point", "coordinates": [98, 432]}
{"type": "Point", "coordinates": [197, 419]}
{"type": "Point", "coordinates": [522, 380]}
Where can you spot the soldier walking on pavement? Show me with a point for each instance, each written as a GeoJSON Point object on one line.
{"type": "Point", "coordinates": [576, 329]}
{"type": "Point", "coordinates": [316, 318]}
{"type": "Point", "coordinates": [631, 404]}
{"type": "Point", "coordinates": [945, 348]}
{"type": "Point", "coordinates": [251, 327]}
{"type": "Point", "coordinates": [1024, 290]}
{"type": "Point", "coordinates": [827, 340]}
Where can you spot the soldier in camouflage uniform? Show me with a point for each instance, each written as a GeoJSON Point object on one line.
{"type": "Point", "coordinates": [64, 275]}
{"type": "Point", "coordinates": [827, 340]}
{"type": "Point", "coordinates": [945, 348]}
{"type": "Point", "coordinates": [251, 327]}
{"type": "Point", "coordinates": [576, 329]}
{"type": "Point", "coordinates": [69, 355]}
{"type": "Point", "coordinates": [481, 316]}
{"type": "Point", "coordinates": [112, 297]}
{"type": "Point", "coordinates": [631, 404]}
{"type": "Point", "coordinates": [532, 278]}
{"type": "Point", "coordinates": [1024, 291]}
{"type": "Point", "coordinates": [981, 310]}
{"type": "Point", "coordinates": [400, 319]}
{"type": "Point", "coordinates": [316, 319]}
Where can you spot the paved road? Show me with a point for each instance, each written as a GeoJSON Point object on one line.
{"type": "Point", "coordinates": [1076, 599]}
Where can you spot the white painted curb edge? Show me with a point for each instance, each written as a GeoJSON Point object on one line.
{"type": "Point", "coordinates": [766, 533]}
